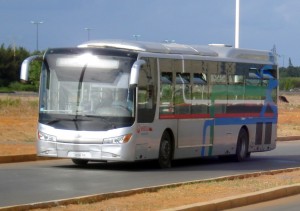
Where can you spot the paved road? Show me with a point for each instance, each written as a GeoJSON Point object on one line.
{"type": "Point", "coordinates": [50, 180]}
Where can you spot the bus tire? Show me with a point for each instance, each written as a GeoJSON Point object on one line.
{"type": "Point", "coordinates": [80, 162]}
{"type": "Point", "coordinates": [165, 151]}
{"type": "Point", "coordinates": [242, 146]}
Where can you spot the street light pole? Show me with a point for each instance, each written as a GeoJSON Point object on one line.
{"type": "Point", "coordinates": [37, 32]}
{"type": "Point", "coordinates": [136, 36]}
{"type": "Point", "coordinates": [237, 23]}
{"type": "Point", "coordinates": [88, 32]}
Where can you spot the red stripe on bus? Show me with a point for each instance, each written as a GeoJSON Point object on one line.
{"type": "Point", "coordinates": [237, 115]}
{"type": "Point", "coordinates": [183, 116]}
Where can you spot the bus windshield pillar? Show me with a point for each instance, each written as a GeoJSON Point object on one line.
{"type": "Point", "coordinates": [135, 72]}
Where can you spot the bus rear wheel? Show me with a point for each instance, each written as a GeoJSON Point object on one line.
{"type": "Point", "coordinates": [165, 151]}
{"type": "Point", "coordinates": [80, 162]}
{"type": "Point", "coordinates": [242, 146]}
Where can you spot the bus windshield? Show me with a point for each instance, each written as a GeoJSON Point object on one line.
{"type": "Point", "coordinates": [86, 89]}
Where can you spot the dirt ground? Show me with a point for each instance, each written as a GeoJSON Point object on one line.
{"type": "Point", "coordinates": [18, 118]}
{"type": "Point", "coordinates": [289, 116]}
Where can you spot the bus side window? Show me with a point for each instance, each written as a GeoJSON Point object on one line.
{"type": "Point", "coordinates": [235, 90]}
{"type": "Point", "coordinates": [182, 95]}
{"type": "Point", "coordinates": [200, 95]}
{"type": "Point", "coordinates": [166, 93]}
{"type": "Point", "coordinates": [218, 92]}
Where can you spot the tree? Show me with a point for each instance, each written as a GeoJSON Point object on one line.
{"type": "Point", "coordinates": [10, 63]}
{"type": "Point", "coordinates": [290, 62]}
{"type": "Point", "coordinates": [290, 71]}
{"type": "Point", "coordinates": [34, 74]}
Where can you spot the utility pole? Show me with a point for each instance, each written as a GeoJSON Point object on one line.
{"type": "Point", "coordinates": [237, 23]}
{"type": "Point", "coordinates": [136, 36]}
{"type": "Point", "coordinates": [88, 32]}
{"type": "Point", "coordinates": [37, 32]}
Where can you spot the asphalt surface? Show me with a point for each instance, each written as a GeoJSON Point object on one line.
{"type": "Point", "coordinates": [32, 182]}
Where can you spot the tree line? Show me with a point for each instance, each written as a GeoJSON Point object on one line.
{"type": "Point", "coordinates": [11, 59]}
{"type": "Point", "coordinates": [289, 78]}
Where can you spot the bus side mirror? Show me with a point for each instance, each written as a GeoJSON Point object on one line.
{"type": "Point", "coordinates": [25, 67]}
{"type": "Point", "coordinates": [134, 76]}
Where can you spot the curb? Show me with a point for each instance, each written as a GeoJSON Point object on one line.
{"type": "Point", "coordinates": [17, 158]}
{"type": "Point", "coordinates": [214, 205]}
{"type": "Point", "coordinates": [22, 158]}
{"type": "Point", "coordinates": [288, 138]}
{"type": "Point", "coordinates": [242, 200]}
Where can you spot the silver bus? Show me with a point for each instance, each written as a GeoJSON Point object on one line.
{"type": "Point", "coordinates": [115, 100]}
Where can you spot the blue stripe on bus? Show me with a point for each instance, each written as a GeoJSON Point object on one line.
{"type": "Point", "coordinates": [231, 121]}
{"type": "Point", "coordinates": [207, 123]}
{"type": "Point", "coordinates": [243, 121]}
{"type": "Point", "coordinates": [269, 101]}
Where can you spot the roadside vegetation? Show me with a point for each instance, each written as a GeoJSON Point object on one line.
{"type": "Point", "coordinates": [11, 59]}
{"type": "Point", "coordinates": [18, 120]}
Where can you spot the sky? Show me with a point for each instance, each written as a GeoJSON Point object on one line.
{"type": "Point", "coordinates": [263, 23]}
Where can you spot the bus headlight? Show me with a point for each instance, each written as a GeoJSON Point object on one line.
{"type": "Point", "coordinates": [117, 140]}
{"type": "Point", "coordinates": [45, 137]}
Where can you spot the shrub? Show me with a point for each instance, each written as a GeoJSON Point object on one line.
{"type": "Point", "coordinates": [17, 86]}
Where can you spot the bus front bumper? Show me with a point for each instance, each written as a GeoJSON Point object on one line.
{"type": "Point", "coordinates": [81, 151]}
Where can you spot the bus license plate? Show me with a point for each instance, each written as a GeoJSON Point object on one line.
{"type": "Point", "coordinates": [79, 154]}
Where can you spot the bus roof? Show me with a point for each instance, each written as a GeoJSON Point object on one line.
{"type": "Point", "coordinates": [212, 50]}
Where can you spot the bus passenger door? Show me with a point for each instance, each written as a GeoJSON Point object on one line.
{"type": "Point", "coordinates": [146, 107]}
{"type": "Point", "coordinates": [191, 106]}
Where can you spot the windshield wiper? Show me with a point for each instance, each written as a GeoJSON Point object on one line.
{"type": "Point", "coordinates": [65, 119]}
{"type": "Point", "coordinates": [112, 125]}
{"type": "Point", "coordinates": [76, 119]}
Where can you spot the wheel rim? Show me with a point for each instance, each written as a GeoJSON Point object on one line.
{"type": "Point", "coordinates": [243, 140]}
{"type": "Point", "coordinates": [243, 148]}
{"type": "Point", "coordinates": [165, 152]}
{"type": "Point", "coordinates": [165, 149]}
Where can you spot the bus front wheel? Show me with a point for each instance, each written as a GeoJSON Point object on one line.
{"type": "Point", "coordinates": [165, 151]}
{"type": "Point", "coordinates": [242, 146]}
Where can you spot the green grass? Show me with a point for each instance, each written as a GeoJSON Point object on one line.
{"type": "Point", "coordinates": [10, 102]}
{"type": "Point", "coordinates": [17, 86]}
{"type": "Point", "coordinates": [288, 83]}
